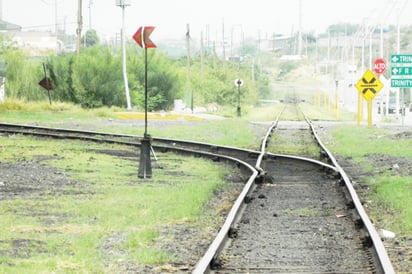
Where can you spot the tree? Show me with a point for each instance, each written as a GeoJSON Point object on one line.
{"type": "Point", "coordinates": [23, 76]}
{"type": "Point", "coordinates": [91, 37]}
{"type": "Point", "coordinates": [61, 72]}
{"type": "Point", "coordinates": [343, 28]}
{"type": "Point", "coordinates": [163, 83]}
{"type": "Point", "coordinates": [97, 78]}
{"type": "Point", "coordinates": [92, 79]}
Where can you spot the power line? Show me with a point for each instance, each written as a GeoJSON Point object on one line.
{"type": "Point", "coordinates": [46, 26]}
{"type": "Point", "coordinates": [53, 2]}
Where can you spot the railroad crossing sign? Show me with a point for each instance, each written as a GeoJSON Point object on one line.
{"type": "Point", "coordinates": [369, 85]}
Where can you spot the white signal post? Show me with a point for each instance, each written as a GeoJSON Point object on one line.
{"type": "Point", "coordinates": [123, 4]}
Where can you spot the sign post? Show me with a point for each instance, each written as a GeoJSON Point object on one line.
{"type": "Point", "coordinates": [238, 84]}
{"type": "Point", "coordinates": [145, 168]}
{"type": "Point", "coordinates": [47, 83]}
{"type": "Point", "coordinates": [369, 86]}
{"type": "Point", "coordinates": [3, 68]}
{"type": "Point", "coordinates": [337, 98]}
{"type": "Point", "coordinates": [123, 4]}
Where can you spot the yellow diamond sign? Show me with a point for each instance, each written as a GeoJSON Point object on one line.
{"type": "Point", "coordinates": [369, 85]}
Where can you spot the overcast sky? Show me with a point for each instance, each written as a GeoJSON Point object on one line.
{"type": "Point", "coordinates": [171, 16]}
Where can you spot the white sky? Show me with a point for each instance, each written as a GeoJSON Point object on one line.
{"type": "Point", "coordinates": [171, 16]}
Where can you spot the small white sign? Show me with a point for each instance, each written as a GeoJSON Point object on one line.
{"type": "Point", "coordinates": [238, 82]}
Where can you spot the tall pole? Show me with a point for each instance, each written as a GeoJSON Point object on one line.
{"type": "Point", "coordinates": [201, 55]}
{"type": "Point", "coordinates": [79, 25]}
{"type": "Point", "coordinates": [398, 51]}
{"type": "Point", "coordinates": [55, 17]}
{"type": "Point", "coordinates": [381, 40]}
{"type": "Point", "coordinates": [126, 82]}
{"type": "Point", "coordinates": [188, 66]}
{"type": "Point", "coordinates": [300, 29]}
{"type": "Point", "coordinates": [370, 49]}
{"type": "Point", "coordinates": [48, 85]}
{"type": "Point", "coordinates": [145, 93]}
{"type": "Point", "coordinates": [223, 40]}
{"type": "Point", "coordinates": [360, 102]}
{"type": "Point", "coordinates": [123, 4]}
{"type": "Point", "coordinates": [90, 13]}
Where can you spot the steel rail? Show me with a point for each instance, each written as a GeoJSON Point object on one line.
{"type": "Point", "coordinates": [216, 246]}
{"type": "Point", "coordinates": [207, 261]}
{"type": "Point", "coordinates": [264, 145]}
{"type": "Point", "coordinates": [91, 136]}
{"type": "Point", "coordinates": [203, 266]}
{"type": "Point", "coordinates": [174, 144]}
{"type": "Point", "coordinates": [380, 251]}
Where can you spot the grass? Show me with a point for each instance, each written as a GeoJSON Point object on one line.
{"type": "Point", "coordinates": [293, 144]}
{"type": "Point", "coordinates": [392, 193]}
{"type": "Point", "coordinates": [15, 111]}
{"type": "Point", "coordinates": [232, 131]}
{"type": "Point", "coordinates": [309, 212]}
{"type": "Point", "coordinates": [67, 230]}
{"type": "Point", "coordinates": [395, 193]}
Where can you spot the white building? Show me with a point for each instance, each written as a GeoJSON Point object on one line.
{"type": "Point", "coordinates": [36, 43]}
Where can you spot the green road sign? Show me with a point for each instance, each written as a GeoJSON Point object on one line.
{"type": "Point", "coordinates": [401, 58]}
{"type": "Point", "coordinates": [401, 83]}
{"type": "Point", "coordinates": [399, 71]}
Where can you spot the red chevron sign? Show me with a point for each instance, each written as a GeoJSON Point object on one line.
{"type": "Point", "coordinates": [142, 37]}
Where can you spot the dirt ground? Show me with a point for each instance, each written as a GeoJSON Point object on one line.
{"type": "Point", "coordinates": [34, 178]}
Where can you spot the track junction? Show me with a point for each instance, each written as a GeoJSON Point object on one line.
{"type": "Point", "coordinates": [296, 213]}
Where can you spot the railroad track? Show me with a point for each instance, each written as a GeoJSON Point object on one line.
{"type": "Point", "coordinates": [295, 213]}
{"type": "Point", "coordinates": [158, 144]}
{"type": "Point", "coordinates": [303, 217]}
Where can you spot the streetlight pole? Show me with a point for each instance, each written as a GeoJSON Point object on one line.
{"type": "Point", "coordinates": [123, 4]}
{"type": "Point", "coordinates": [79, 25]}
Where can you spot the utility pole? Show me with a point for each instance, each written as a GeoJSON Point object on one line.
{"type": "Point", "coordinates": [300, 30]}
{"type": "Point", "coordinates": [55, 17]}
{"type": "Point", "coordinates": [123, 4]}
{"type": "Point", "coordinates": [188, 65]}
{"type": "Point", "coordinates": [398, 51]}
{"type": "Point", "coordinates": [202, 54]}
{"type": "Point", "coordinates": [79, 25]}
{"type": "Point", "coordinates": [90, 14]}
{"type": "Point", "coordinates": [223, 39]}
